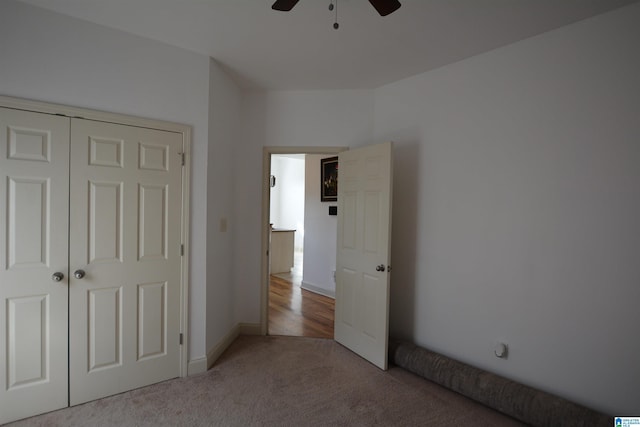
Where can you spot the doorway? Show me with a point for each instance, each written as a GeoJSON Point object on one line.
{"type": "Point", "coordinates": [363, 245]}
{"type": "Point", "coordinates": [297, 301]}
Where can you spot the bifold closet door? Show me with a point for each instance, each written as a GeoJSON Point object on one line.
{"type": "Point", "coordinates": [90, 260]}
{"type": "Point", "coordinates": [125, 260]}
{"type": "Point", "coordinates": [34, 218]}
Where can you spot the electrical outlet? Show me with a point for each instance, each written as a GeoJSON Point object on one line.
{"type": "Point", "coordinates": [501, 350]}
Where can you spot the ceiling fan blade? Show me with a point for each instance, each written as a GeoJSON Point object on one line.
{"type": "Point", "coordinates": [284, 5]}
{"type": "Point", "coordinates": [385, 7]}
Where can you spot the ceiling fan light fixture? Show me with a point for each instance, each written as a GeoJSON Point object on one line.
{"type": "Point", "coordinates": [383, 7]}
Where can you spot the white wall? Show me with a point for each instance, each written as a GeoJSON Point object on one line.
{"type": "Point", "coordinates": [50, 57]}
{"type": "Point", "coordinates": [287, 197]}
{"type": "Point", "coordinates": [321, 237]}
{"type": "Point", "coordinates": [224, 120]}
{"type": "Point", "coordinates": [290, 119]}
{"type": "Point", "coordinates": [517, 199]}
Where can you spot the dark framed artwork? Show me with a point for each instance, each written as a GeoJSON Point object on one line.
{"type": "Point", "coordinates": [329, 179]}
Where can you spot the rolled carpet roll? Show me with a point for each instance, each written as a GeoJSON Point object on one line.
{"type": "Point", "coordinates": [519, 401]}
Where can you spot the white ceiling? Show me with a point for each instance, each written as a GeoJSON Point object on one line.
{"type": "Point", "coordinates": [263, 48]}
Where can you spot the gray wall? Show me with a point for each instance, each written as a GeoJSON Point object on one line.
{"type": "Point", "coordinates": [517, 207]}
{"type": "Point", "coordinates": [321, 232]}
{"type": "Point", "coordinates": [224, 121]}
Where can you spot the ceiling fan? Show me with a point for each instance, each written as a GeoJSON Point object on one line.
{"type": "Point", "coordinates": [384, 7]}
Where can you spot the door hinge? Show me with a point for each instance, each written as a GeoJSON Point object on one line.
{"type": "Point", "coordinates": [182, 250]}
{"type": "Point", "coordinates": [183, 158]}
{"type": "Point", "coordinates": [181, 339]}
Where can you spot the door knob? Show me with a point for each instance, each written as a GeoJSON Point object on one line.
{"type": "Point", "coordinates": [78, 274]}
{"type": "Point", "coordinates": [380, 267]}
{"type": "Point", "coordinates": [57, 277]}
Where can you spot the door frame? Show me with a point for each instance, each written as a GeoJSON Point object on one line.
{"type": "Point", "coordinates": [185, 131]}
{"type": "Point", "coordinates": [267, 151]}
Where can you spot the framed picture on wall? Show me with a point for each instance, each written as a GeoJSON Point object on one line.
{"type": "Point", "coordinates": [329, 179]}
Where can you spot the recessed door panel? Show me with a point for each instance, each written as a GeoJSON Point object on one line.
{"type": "Point", "coordinates": [349, 231]}
{"type": "Point", "coordinates": [151, 319]}
{"type": "Point", "coordinates": [373, 167]}
{"type": "Point", "coordinates": [105, 222]}
{"type": "Point", "coordinates": [105, 152]}
{"type": "Point", "coordinates": [346, 298]}
{"type": "Point", "coordinates": [29, 144]}
{"type": "Point", "coordinates": [349, 173]}
{"type": "Point", "coordinates": [105, 328]}
{"type": "Point", "coordinates": [370, 295]}
{"type": "Point", "coordinates": [28, 215]}
{"type": "Point", "coordinates": [154, 157]}
{"type": "Point", "coordinates": [28, 341]}
{"type": "Point", "coordinates": [34, 218]}
{"type": "Point", "coordinates": [371, 217]}
{"type": "Point", "coordinates": [152, 221]}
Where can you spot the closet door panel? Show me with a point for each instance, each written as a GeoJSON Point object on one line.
{"type": "Point", "coordinates": [34, 185]}
{"type": "Point", "coordinates": [125, 235]}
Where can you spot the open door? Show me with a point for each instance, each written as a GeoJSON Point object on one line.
{"type": "Point", "coordinates": [363, 251]}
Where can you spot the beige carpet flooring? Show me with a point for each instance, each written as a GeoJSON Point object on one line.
{"type": "Point", "coordinates": [283, 381]}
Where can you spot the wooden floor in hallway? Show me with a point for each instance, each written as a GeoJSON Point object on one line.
{"type": "Point", "coordinates": [294, 311]}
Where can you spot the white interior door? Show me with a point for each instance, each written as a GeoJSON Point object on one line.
{"type": "Point", "coordinates": [34, 218]}
{"type": "Point", "coordinates": [126, 202]}
{"type": "Point", "coordinates": [363, 251]}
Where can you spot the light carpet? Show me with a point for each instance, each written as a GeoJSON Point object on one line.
{"type": "Point", "coordinates": [283, 381]}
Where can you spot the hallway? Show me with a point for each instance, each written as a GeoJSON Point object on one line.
{"type": "Point", "coordinates": [294, 311]}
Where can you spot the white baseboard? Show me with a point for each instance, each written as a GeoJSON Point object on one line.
{"type": "Point", "coordinates": [223, 344]}
{"type": "Point", "coordinates": [197, 366]}
{"type": "Point", "coordinates": [227, 340]}
{"type": "Point", "coordinates": [318, 290]}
